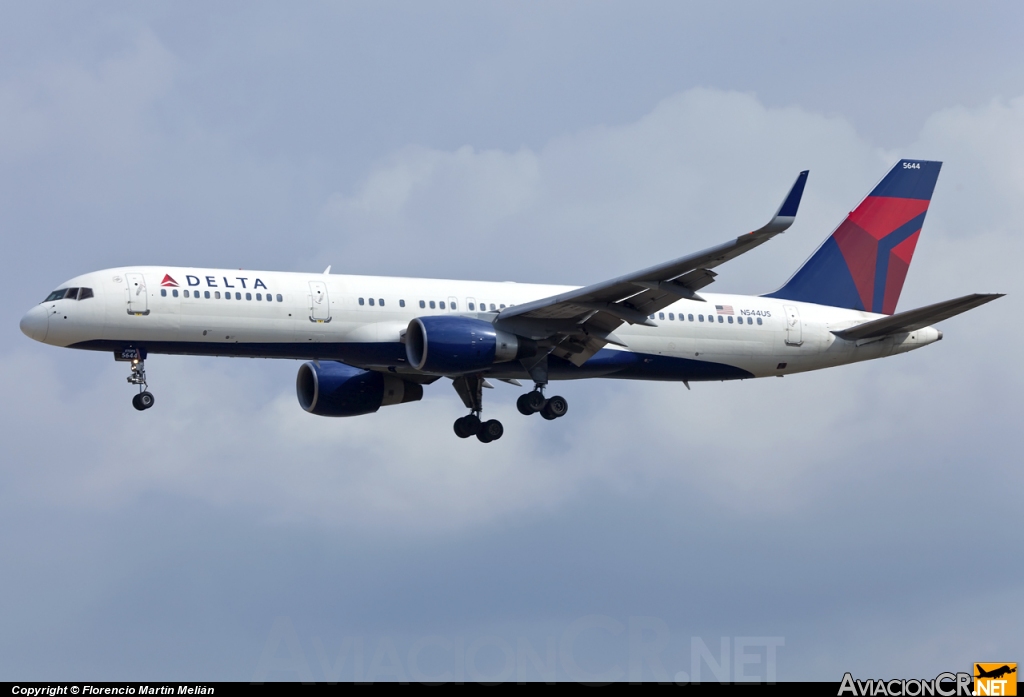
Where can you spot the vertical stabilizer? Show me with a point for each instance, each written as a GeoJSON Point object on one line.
{"type": "Point", "coordinates": [863, 264]}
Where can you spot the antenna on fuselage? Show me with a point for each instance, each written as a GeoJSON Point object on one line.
{"type": "Point", "coordinates": [327, 270]}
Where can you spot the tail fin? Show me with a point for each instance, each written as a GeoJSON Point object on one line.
{"type": "Point", "coordinates": [863, 264]}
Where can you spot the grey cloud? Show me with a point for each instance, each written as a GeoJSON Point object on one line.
{"type": "Point", "coordinates": [853, 512]}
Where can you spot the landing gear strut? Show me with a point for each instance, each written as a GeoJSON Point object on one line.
{"type": "Point", "coordinates": [144, 399]}
{"type": "Point", "coordinates": [470, 388]}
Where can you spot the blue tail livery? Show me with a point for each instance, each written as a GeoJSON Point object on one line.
{"type": "Point", "coordinates": [863, 264]}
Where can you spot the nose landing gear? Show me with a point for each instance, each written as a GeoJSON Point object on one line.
{"type": "Point", "coordinates": [144, 399]}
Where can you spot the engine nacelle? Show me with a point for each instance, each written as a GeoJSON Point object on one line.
{"type": "Point", "coordinates": [454, 345]}
{"type": "Point", "coordinates": [337, 389]}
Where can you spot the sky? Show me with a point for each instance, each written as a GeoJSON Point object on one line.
{"type": "Point", "coordinates": [858, 519]}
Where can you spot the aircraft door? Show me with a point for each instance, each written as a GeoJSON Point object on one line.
{"type": "Point", "coordinates": [794, 328]}
{"type": "Point", "coordinates": [319, 303]}
{"type": "Point", "coordinates": [137, 295]}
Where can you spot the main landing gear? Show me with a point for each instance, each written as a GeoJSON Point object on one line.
{"type": "Point", "coordinates": [470, 388]}
{"type": "Point", "coordinates": [551, 408]}
{"type": "Point", "coordinates": [144, 399]}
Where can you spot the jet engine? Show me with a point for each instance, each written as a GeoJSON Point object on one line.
{"type": "Point", "coordinates": [337, 389]}
{"type": "Point", "coordinates": [453, 345]}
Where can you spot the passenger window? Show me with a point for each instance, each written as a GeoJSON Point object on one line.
{"type": "Point", "coordinates": [248, 296]}
{"type": "Point", "coordinates": [730, 320]}
{"type": "Point", "coordinates": [720, 319]}
{"type": "Point", "coordinates": [163, 292]}
{"type": "Point", "coordinates": [227, 295]}
{"type": "Point", "coordinates": [453, 306]}
{"type": "Point", "coordinates": [238, 296]}
{"type": "Point", "coordinates": [401, 303]}
{"type": "Point", "coordinates": [371, 302]}
{"type": "Point", "coordinates": [650, 316]}
{"type": "Point", "coordinates": [270, 298]}
{"type": "Point", "coordinates": [85, 293]}
{"type": "Point", "coordinates": [361, 301]}
{"type": "Point", "coordinates": [216, 294]}
{"type": "Point", "coordinates": [259, 296]}
{"type": "Point", "coordinates": [472, 306]}
{"type": "Point", "coordinates": [492, 307]}
{"type": "Point", "coordinates": [502, 307]}
{"type": "Point", "coordinates": [185, 292]}
{"type": "Point", "coordinates": [661, 315]}
{"type": "Point", "coordinates": [750, 320]}
{"type": "Point", "coordinates": [279, 298]}
{"type": "Point", "coordinates": [672, 316]}
{"type": "Point", "coordinates": [759, 320]}
{"type": "Point", "coordinates": [432, 305]}
{"type": "Point", "coordinates": [381, 302]}
{"type": "Point", "coordinates": [174, 292]}
{"type": "Point", "coordinates": [206, 294]}
{"type": "Point", "coordinates": [441, 304]}
{"type": "Point", "coordinates": [700, 317]}
{"type": "Point", "coordinates": [422, 304]}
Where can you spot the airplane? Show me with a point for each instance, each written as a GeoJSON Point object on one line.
{"type": "Point", "coordinates": [374, 341]}
{"type": "Point", "coordinates": [996, 673]}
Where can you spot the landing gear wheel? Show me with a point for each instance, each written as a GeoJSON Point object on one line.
{"type": "Point", "coordinates": [490, 430]}
{"type": "Point", "coordinates": [530, 403]}
{"type": "Point", "coordinates": [467, 426]}
{"type": "Point", "coordinates": [555, 408]}
{"type": "Point", "coordinates": [143, 401]}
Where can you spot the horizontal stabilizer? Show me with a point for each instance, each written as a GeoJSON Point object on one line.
{"type": "Point", "coordinates": [912, 320]}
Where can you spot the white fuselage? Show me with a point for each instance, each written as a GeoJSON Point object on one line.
{"type": "Point", "coordinates": [361, 320]}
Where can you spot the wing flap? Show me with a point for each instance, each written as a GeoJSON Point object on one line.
{"type": "Point", "coordinates": [912, 320]}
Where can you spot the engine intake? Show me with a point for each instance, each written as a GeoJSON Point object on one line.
{"type": "Point", "coordinates": [454, 345]}
{"type": "Point", "coordinates": [337, 389]}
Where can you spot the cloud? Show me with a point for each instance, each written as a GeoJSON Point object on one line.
{"type": "Point", "coordinates": [704, 162]}
{"type": "Point", "coordinates": [101, 112]}
{"type": "Point", "coordinates": [686, 494]}
{"type": "Point", "coordinates": [702, 166]}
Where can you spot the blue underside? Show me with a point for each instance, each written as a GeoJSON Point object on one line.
{"type": "Point", "coordinates": [605, 363]}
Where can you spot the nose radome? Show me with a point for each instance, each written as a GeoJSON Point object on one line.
{"type": "Point", "coordinates": [34, 323]}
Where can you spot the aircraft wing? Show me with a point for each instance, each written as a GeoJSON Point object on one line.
{"type": "Point", "coordinates": [912, 320]}
{"type": "Point", "coordinates": [586, 317]}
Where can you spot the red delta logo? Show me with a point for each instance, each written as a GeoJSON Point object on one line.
{"type": "Point", "coordinates": [168, 282]}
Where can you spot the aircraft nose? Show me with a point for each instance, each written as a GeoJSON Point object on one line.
{"type": "Point", "coordinates": [34, 323]}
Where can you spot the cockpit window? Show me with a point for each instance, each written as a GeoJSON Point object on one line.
{"type": "Point", "coordinates": [84, 293]}
{"type": "Point", "coordinates": [72, 294]}
{"type": "Point", "coordinates": [56, 295]}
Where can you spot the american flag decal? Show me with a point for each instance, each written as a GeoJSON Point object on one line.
{"type": "Point", "coordinates": [724, 309]}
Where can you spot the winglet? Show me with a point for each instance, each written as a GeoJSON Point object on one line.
{"type": "Point", "coordinates": [786, 214]}
{"type": "Point", "coordinates": [790, 206]}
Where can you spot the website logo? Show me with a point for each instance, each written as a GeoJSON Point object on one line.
{"type": "Point", "coordinates": [995, 679]}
